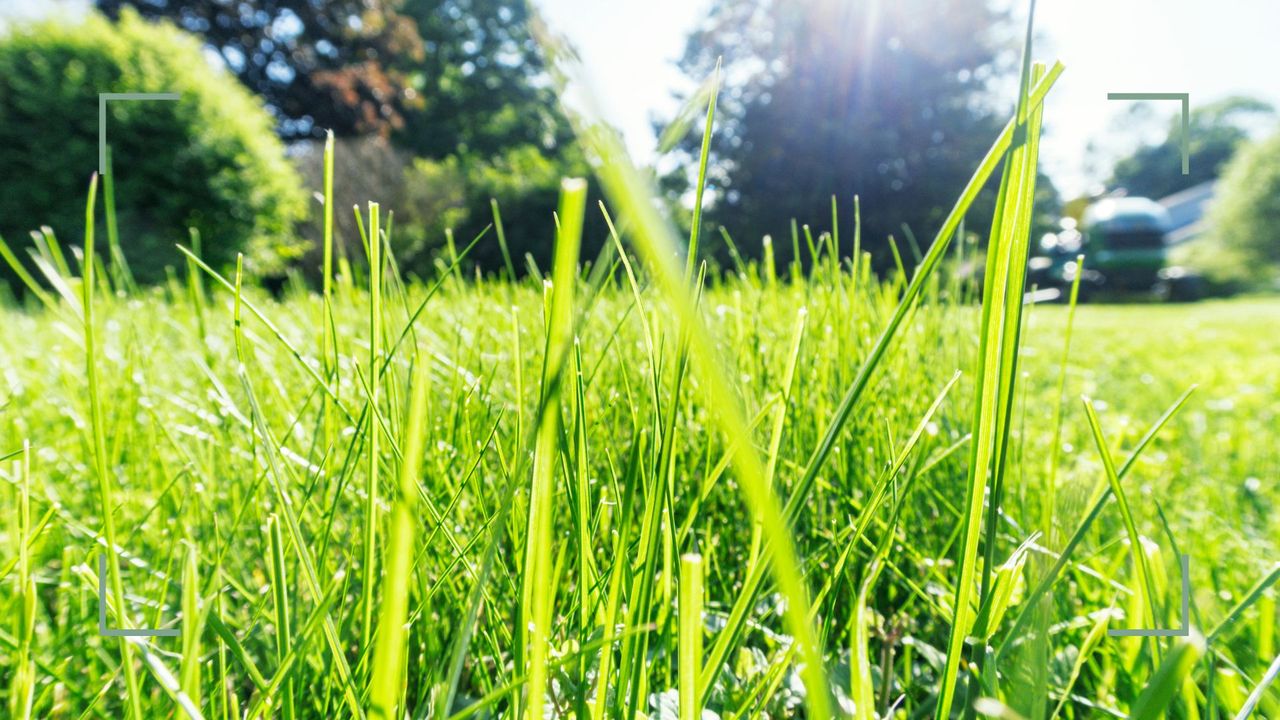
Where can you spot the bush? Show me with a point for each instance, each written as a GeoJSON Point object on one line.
{"type": "Point", "coordinates": [455, 193]}
{"type": "Point", "coordinates": [209, 161]}
{"type": "Point", "coordinates": [366, 167]}
{"type": "Point", "coordinates": [428, 197]}
{"type": "Point", "coordinates": [434, 200]}
{"type": "Point", "coordinates": [1243, 245]}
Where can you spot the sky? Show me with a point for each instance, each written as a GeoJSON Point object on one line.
{"type": "Point", "coordinates": [1208, 48]}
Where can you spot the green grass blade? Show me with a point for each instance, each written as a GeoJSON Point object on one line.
{"type": "Point", "coordinates": [1154, 701]}
{"type": "Point", "coordinates": [538, 592]}
{"type": "Point", "coordinates": [100, 459]}
{"type": "Point", "coordinates": [690, 644]}
{"type": "Point", "coordinates": [996, 379]}
{"type": "Point", "coordinates": [502, 239]}
{"type": "Point", "coordinates": [1091, 641]}
{"type": "Point", "coordinates": [328, 343]}
{"type": "Point", "coordinates": [624, 185]}
{"type": "Point", "coordinates": [281, 597]}
{"type": "Point", "coordinates": [373, 434]}
{"type": "Point", "coordinates": [1146, 587]}
{"type": "Point", "coordinates": [385, 683]}
{"type": "Point", "coordinates": [192, 624]}
{"type": "Point", "coordinates": [695, 227]}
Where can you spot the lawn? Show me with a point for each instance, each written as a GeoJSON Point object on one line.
{"type": "Point", "coordinates": [204, 453]}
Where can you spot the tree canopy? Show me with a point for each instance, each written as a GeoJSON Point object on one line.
{"type": "Point", "coordinates": [317, 65]}
{"type": "Point", "coordinates": [459, 84]}
{"type": "Point", "coordinates": [483, 80]}
{"type": "Point", "coordinates": [1243, 243]}
{"type": "Point", "coordinates": [1216, 131]}
{"type": "Point", "coordinates": [207, 161]}
{"type": "Point", "coordinates": [888, 101]}
{"type": "Point", "coordinates": [490, 127]}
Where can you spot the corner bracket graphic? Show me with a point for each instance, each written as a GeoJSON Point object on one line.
{"type": "Point", "coordinates": [103, 99]}
{"type": "Point", "coordinates": [1183, 631]}
{"type": "Point", "coordinates": [102, 611]}
{"type": "Point", "coordinates": [1185, 98]}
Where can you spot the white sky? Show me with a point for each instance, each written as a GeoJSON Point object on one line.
{"type": "Point", "coordinates": [1208, 48]}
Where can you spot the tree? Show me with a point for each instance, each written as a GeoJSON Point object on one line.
{"type": "Point", "coordinates": [207, 161]}
{"type": "Point", "coordinates": [1216, 131]}
{"type": "Point", "coordinates": [1243, 243]}
{"type": "Point", "coordinates": [490, 124]}
{"type": "Point", "coordinates": [461, 83]}
{"type": "Point", "coordinates": [884, 100]}
{"type": "Point", "coordinates": [483, 80]}
{"type": "Point", "coordinates": [318, 65]}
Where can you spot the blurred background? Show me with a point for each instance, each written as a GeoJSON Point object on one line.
{"type": "Point", "coordinates": [442, 107]}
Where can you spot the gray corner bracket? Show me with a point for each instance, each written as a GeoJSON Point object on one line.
{"type": "Point", "coordinates": [1185, 98]}
{"type": "Point", "coordinates": [103, 99]}
{"type": "Point", "coordinates": [102, 611]}
{"type": "Point", "coordinates": [1183, 631]}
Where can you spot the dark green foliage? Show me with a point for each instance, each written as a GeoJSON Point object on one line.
{"type": "Point", "coordinates": [490, 115]}
{"type": "Point", "coordinates": [207, 161]}
{"type": "Point", "coordinates": [830, 97]}
{"type": "Point", "coordinates": [461, 85]}
{"type": "Point", "coordinates": [1216, 130]}
{"type": "Point", "coordinates": [483, 80]}
{"type": "Point", "coordinates": [455, 193]}
{"type": "Point", "coordinates": [318, 65]}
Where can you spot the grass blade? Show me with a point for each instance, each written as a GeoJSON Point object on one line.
{"type": "Point", "coordinates": [1154, 701]}
{"type": "Point", "coordinates": [280, 594]}
{"type": "Point", "coordinates": [100, 460]}
{"type": "Point", "coordinates": [373, 433]}
{"type": "Point", "coordinates": [996, 378]}
{"type": "Point", "coordinates": [537, 594]}
{"type": "Point", "coordinates": [385, 683]}
{"type": "Point", "coordinates": [690, 645]}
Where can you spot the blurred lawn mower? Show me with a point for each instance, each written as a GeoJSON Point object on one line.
{"type": "Point", "coordinates": [1126, 253]}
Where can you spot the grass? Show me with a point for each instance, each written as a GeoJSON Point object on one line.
{"type": "Point", "coordinates": [180, 438]}
{"type": "Point", "coordinates": [868, 497]}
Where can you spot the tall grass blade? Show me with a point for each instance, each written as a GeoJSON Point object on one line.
{"type": "Point", "coordinates": [123, 277]}
{"type": "Point", "coordinates": [373, 434]}
{"type": "Point", "coordinates": [281, 597]}
{"type": "Point", "coordinates": [538, 592]}
{"type": "Point", "coordinates": [996, 378]}
{"type": "Point", "coordinates": [1146, 587]}
{"type": "Point", "coordinates": [1154, 701]}
{"type": "Point", "coordinates": [386, 684]}
{"type": "Point", "coordinates": [23, 681]}
{"type": "Point", "coordinates": [328, 349]}
{"type": "Point", "coordinates": [192, 624]}
{"type": "Point", "coordinates": [98, 438]}
{"type": "Point", "coordinates": [629, 192]}
{"type": "Point", "coordinates": [695, 227]}
{"type": "Point", "coordinates": [690, 644]}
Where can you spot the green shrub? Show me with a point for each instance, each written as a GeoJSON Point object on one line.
{"type": "Point", "coordinates": [433, 200]}
{"type": "Point", "coordinates": [209, 161]}
{"type": "Point", "coordinates": [1243, 245]}
{"type": "Point", "coordinates": [365, 168]}
{"type": "Point", "coordinates": [455, 192]}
